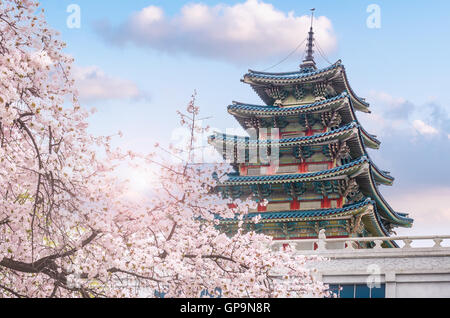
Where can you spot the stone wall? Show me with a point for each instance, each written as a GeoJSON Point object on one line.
{"type": "Point", "coordinates": [405, 272]}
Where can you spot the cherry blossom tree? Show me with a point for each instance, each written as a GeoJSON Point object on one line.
{"type": "Point", "coordinates": [67, 227]}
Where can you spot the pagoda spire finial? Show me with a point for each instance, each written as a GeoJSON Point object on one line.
{"type": "Point", "coordinates": [309, 62]}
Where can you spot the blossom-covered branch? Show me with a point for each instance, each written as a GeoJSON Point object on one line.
{"type": "Point", "coordinates": [67, 228]}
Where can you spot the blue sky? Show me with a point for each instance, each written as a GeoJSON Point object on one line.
{"type": "Point", "coordinates": [401, 68]}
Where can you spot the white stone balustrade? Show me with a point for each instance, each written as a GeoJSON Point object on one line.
{"type": "Point", "coordinates": [323, 244]}
{"type": "Point", "coordinates": [420, 267]}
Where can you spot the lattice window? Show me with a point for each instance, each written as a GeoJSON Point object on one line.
{"type": "Point", "coordinates": [315, 167]}
{"type": "Point", "coordinates": [254, 171]}
{"type": "Point", "coordinates": [316, 157]}
{"type": "Point", "coordinates": [310, 205]}
{"type": "Point", "coordinates": [334, 204]}
{"type": "Point", "coordinates": [281, 206]}
{"type": "Point", "coordinates": [295, 134]}
{"type": "Point", "coordinates": [287, 169]}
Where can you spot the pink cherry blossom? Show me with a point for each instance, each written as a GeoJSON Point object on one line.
{"type": "Point", "coordinates": [67, 227]}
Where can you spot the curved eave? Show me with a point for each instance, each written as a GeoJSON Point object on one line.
{"type": "Point", "coordinates": [341, 103]}
{"type": "Point", "coordinates": [382, 176]}
{"type": "Point", "coordinates": [341, 133]}
{"type": "Point", "coordinates": [371, 190]}
{"type": "Point", "coordinates": [361, 169]}
{"type": "Point", "coordinates": [248, 110]}
{"type": "Point", "coordinates": [256, 77]}
{"type": "Point", "coordinates": [367, 209]}
{"type": "Point", "coordinates": [258, 80]}
{"type": "Point", "coordinates": [350, 133]}
{"type": "Point", "coordinates": [310, 215]}
{"type": "Point", "coordinates": [374, 225]}
{"type": "Point", "coordinates": [340, 172]}
{"type": "Point", "coordinates": [370, 140]}
{"type": "Point", "coordinates": [359, 103]}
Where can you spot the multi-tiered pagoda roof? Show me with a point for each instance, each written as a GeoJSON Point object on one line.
{"type": "Point", "coordinates": [323, 177]}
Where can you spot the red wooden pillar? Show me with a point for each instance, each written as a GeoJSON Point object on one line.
{"type": "Point", "coordinates": [262, 208]}
{"type": "Point", "coordinates": [295, 205]}
{"type": "Point", "coordinates": [326, 203]}
{"type": "Point", "coordinates": [303, 167]}
{"type": "Point", "coordinates": [340, 202]}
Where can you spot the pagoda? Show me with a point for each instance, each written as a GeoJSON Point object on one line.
{"type": "Point", "coordinates": [323, 178]}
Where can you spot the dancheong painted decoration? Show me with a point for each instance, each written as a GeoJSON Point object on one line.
{"type": "Point", "coordinates": [323, 177]}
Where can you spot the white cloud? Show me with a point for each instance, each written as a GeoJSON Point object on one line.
{"type": "Point", "coordinates": [417, 162]}
{"type": "Point", "coordinates": [423, 128]}
{"type": "Point", "coordinates": [240, 33]}
{"type": "Point", "coordinates": [149, 15]}
{"type": "Point", "coordinates": [394, 107]}
{"type": "Point", "coordinates": [386, 98]}
{"type": "Point", "coordinates": [93, 84]}
{"type": "Point", "coordinates": [427, 206]}
{"type": "Point", "coordinates": [391, 114]}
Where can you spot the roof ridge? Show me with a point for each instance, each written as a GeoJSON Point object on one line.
{"type": "Point", "coordinates": [299, 72]}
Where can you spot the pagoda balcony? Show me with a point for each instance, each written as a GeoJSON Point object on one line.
{"type": "Point", "coordinates": [341, 172]}
{"type": "Point", "coordinates": [305, 167]}
{"type": "Point", "coordinates": [303, 205]}
{"type": "Point", "coordinates": [354, 168]}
